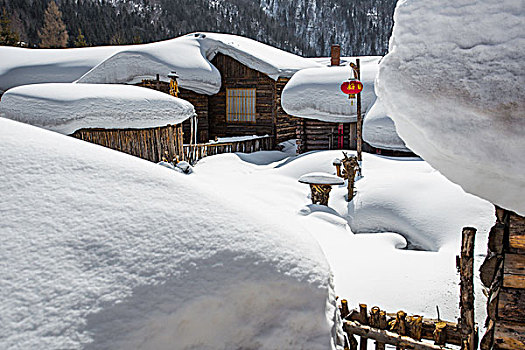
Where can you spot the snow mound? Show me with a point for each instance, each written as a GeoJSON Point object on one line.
{"type": "Point", "coordinates": [190, 57]}
{"type": "Point", "coordinates": [315, 93]}
{"type": "Point", "coordinates": [380, 131]}
{"type": "Point", "coordinates": [21, 66]}
{"type": "Point", "coordinates": [398, 202]}
{"type": "Point", "coordinates": [454, 84]}
{"type": "Point", "coordinates": [66, 108]}
{"type": "Point", "coordinates": [404, 196]}
{"type": "Point", "coordinates": [103, 250]}
{"type": "Point", "coordinates": [321, 178]}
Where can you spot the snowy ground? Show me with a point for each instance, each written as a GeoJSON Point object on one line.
{"type": "Point", "coordinates": [105, 249]}
{"type": "Point", "coordinates": [102, 250]}
{"type": "Point", "coordinates": [397, 200]}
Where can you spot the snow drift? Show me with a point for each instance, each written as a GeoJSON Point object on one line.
{"type": "Point", "coordinates": [315, 93]}
{"type": "Point", "coordinates": [103, 250]}
{"type": "Point", "coordinates": [379, 130]}
{"type": "Point", "coordinates": [454, 84]}
{"type": "Point", "coordinates": [66, 108]}
{"type": "Point", "coordinates": [398, 200]}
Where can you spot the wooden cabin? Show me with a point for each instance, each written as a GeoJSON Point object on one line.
{"type": "Point", "coordinates": [503, 273]}
{"type": "Point", "coordinates": [248, 103]}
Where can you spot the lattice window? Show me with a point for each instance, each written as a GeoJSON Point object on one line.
{"type": "Point", "coordinates": [240, 105]}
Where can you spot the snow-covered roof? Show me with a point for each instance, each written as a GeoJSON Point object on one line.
{"type": "Point", "coordinates": [190, 57]}
{"type": "Point", "coordinates": [66, 108]}
{"type": "Point", "coordinates": [315, 93]}
{"type": "Point", "coordinates": [21, 66]}
{"type": "Point", "coordinates": [380, 131]}
{"type": "Point", "coordinates": [107, 251]}
{"type": "Point", "coordinates": [454, 83]}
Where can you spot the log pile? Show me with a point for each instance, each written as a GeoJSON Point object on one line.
{"type": "Point", "coordinates": [150, 144]}
{"type": "Point", "coordinates": [503, 273]}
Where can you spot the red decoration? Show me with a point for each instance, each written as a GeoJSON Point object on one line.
{"type": "Point", "coordinates": [352, 87]}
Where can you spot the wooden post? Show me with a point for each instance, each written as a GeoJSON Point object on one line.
{"type": "Point", "coordinates": [375, 321]}
{"type": "Point", "coordinates": [344, 308]}
{"type": "Point", "coordinates": [440, 334]}
{"type": "Point", "coordinates": [401, 325]}
{"type": "Point", "coordinates": [363, 318]}
{"type": "Point", "coordinates": [467, 326]}
{"type": "Point", "coordinates": [359, 118]}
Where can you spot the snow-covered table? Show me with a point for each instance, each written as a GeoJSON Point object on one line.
{"type": "Point", "coordinates": [321, 185]}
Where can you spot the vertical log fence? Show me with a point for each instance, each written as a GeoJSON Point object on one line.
{"type": "Point", "coordinates": [193, 153]}
{"type": "Point", "coordinates": [154, 144]}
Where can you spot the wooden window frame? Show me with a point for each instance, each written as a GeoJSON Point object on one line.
{"type": "Point", "coordinates": [248, 101]}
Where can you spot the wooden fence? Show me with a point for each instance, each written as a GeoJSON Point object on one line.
{"type": "Point", "coordinates": [397, 329]}
{"type": "Point", "coordinates": [193, 153]}
{"type": "Point", "coordinates": [416, 332]}
{"type": "Point", "coordinates": [150, 144]}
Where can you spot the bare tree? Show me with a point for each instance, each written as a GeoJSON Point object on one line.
{"type": "Point", "coordinates": [53, 34]}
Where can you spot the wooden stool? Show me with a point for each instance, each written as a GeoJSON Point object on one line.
{"type": "Point", "coordinates": [320, 185]}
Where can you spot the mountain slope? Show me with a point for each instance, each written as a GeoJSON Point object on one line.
{"type": "Point", "coordinates": [306, 27]}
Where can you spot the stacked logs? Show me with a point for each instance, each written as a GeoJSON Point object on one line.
{"type": "Point", "coordinates": [503, 273]}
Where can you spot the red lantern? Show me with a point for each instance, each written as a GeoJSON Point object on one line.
{"type": "Point", "coordinates": [352, 87]}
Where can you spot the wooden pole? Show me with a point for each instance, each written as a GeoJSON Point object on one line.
{"type": "Point", "coordinates": [467, 326]}
{"type": "Point", "coordinates": [363, 318]}
{"type": "Point", "coordinates": [344, 308]}
{"type": "Point", "coordinates": [359, 118]}
{"type": "Point", "coordinates": [401, 326]}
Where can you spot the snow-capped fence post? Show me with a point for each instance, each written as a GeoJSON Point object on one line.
{"type": "Point", "coordinates": [363, 319]}
{"type": "Point", "coordinates": [467, 326]}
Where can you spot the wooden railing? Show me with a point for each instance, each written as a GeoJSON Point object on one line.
{"type": "Point", "coordinates": [397, 329]}
{"type": "Point", "coordinates": [193, 153]}
{"type": "Point", "coordinates": [416, 332]}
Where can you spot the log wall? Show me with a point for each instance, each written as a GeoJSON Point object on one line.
{"type": "Point", "coordinates": [150, 144]}
{"type": "Point", "coordinates": [286, 125]}
{"type": "Point", "coordinates": [199, 101]}
{"type": "Point", "coordinates": [503, 272]}
{"type": "Point", "coordinates": [319, 135]}
{"type": "Point", "coordinates": [236, 75]}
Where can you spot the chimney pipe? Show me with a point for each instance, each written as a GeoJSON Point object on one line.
{"type": "Point", "coordinates": [335, 55]}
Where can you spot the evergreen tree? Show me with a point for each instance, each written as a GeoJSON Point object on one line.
{"type": "Point", "coordinates": [80, 41]}
{"type": "Point", "coordinates": [7, 36]}
{"type": "Point", "coordinates": [53, 34]}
